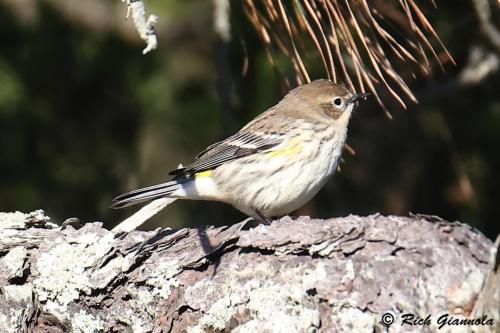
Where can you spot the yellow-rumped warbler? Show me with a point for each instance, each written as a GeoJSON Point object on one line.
{"type": "Point", "coordinates": [273, 165]}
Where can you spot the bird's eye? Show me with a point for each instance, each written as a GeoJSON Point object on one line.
{"type": "Point", "coordinates": [337, 101]}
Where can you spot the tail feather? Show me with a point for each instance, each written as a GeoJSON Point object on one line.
{"type": "Point", "coordinates": [143, 214]}
{"type": "Point", "coordinates": [146, 194]}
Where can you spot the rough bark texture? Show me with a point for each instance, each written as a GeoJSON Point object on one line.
{"type": "Point", "coordinates": [295, 275]}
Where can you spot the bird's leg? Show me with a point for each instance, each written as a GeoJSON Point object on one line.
{"type": "Point", "coordinates": [265, 219]}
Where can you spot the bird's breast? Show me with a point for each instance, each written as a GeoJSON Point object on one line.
{"type": "Point", "coordinates": [278, 182]}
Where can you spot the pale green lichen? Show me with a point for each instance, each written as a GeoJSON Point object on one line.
{"type": "Point", "coordinates": [311, 277]}
{"type": "Point", "coordinates": [14, 220]}
{"type": "Point", "coordinates": [10, 323]}
{"type": "Point", "coordinates": [83, 322]}
{"type": "Point", "coordinates": [163, 278]}
{"type": "Point", "coordinates": [12, 263]}
{"type": "Point", "coordinates": [18, 220]}
{"type": "Point", "coordinates": [138, 314]}
{"type": "Point", "coordinates": [219, 314]}
{"type": "Point", "coordinates": [350, 319]}
{"type": "Point", "coordinates": [62, 270]}
{"type": "Point", "coordinates": [195, 329]}
{"type": "Point", "coordinates": [279, 307]}
{"type": "Point", "coordinates": [273, 306]}
{"type": "Point", "coordinates": [103, 277]}
{"type": "Point", "coordinates": [18, 293]}
{"type": "Point", "coordinates": [139, 311]}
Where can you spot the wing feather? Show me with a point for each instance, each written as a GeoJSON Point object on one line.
{"type": "Point", "coordinates": [237, 146]}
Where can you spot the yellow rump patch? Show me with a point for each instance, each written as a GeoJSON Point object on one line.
{"type": "Point", "coordinates": [206, 173]}
{"type": "Point", "coordinates": [293, 147]}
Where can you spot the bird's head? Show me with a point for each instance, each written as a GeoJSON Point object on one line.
{"type": "Point", "coordinates": [323, 99]}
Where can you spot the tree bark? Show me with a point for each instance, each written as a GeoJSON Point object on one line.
{"type": "Point", "coordinates": [295, 275]}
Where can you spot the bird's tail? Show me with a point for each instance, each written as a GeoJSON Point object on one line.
{"type": "Point", "coordinates": [147, 194]}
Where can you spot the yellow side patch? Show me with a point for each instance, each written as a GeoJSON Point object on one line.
{"type": "Point", "coordinates": [293, 147]}
{"type": "Point", "coordinates": [206, 173]}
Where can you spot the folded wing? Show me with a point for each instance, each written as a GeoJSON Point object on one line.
{"type": "Point", "coordinates": [237, 146]}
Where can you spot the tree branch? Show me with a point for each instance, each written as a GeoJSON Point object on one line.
{"type": "Point", "coordinates": [145, 27]}
{"type": "Point", "coordinates": [335, 275]}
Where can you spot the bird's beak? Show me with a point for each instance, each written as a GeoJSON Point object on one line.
{"type": "Point", "coordinates": [357, 97]}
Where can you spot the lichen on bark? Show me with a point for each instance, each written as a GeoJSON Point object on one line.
{"type": "Point", "coordinates": [294, 275]}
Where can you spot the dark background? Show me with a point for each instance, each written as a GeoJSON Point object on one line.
{"type": "Point", "coordinates": [84, 116]}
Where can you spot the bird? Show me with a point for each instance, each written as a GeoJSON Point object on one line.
{"type": "Point", "coordinates": [274, 164]}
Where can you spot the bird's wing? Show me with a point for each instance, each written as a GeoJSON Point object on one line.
{"type": "Point", "coordinates": [239, 145]}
